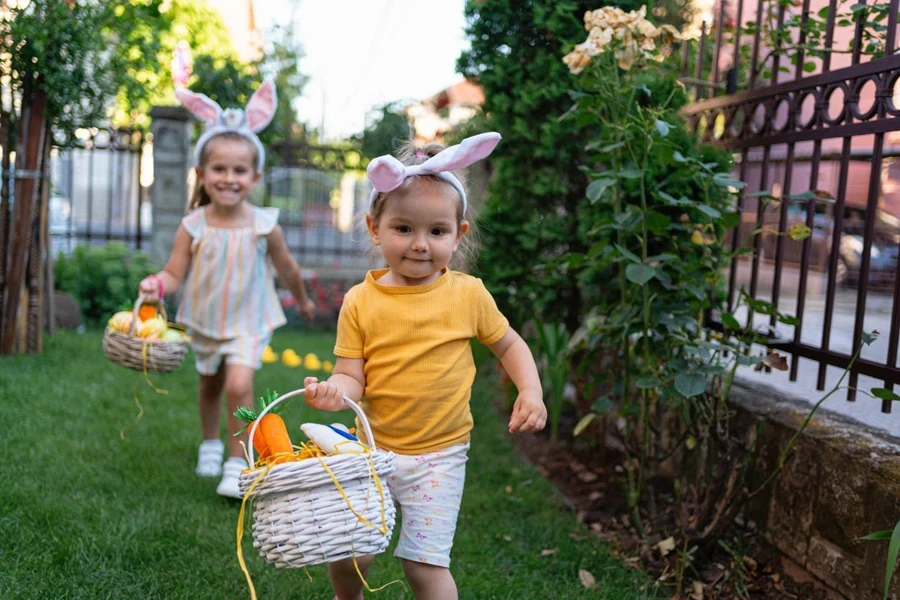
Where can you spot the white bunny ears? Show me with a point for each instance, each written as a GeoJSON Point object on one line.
{"type": "Point", "coordinates": [387, 173]}
{"type": "Point", "coordinates": [247, 122]}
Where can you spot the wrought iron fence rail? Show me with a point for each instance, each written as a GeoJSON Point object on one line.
{"type": "Point", "coordinates": [772, 118]}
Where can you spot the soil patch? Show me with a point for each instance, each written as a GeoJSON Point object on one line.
{"type": "Point", "coordinates": [744, 566]}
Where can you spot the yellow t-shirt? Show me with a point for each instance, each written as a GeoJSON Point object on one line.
{"type": "Point", "coordinates": [419, 368]}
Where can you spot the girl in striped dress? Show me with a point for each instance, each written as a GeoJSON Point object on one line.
{"type": "Point", "coordinates": [225, 255]}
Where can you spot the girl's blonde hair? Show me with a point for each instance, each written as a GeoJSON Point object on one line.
{"type": "Point", "coordinates": [199, 197]}
{"type": "Point", "coordinates": [466, 254]}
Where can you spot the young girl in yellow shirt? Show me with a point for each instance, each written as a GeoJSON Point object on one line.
{"type": "Point", "coordinates": [403, 350]}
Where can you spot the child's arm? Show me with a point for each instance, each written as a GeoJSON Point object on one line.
{"type": "Point", "coordinates": [529, 412]}
{"type": "Point", "coordinates": [289, 271]}
{"type": "Point", "coordinates": [172, 275]}
{"type": "Point", "coordinates": [347, 379]}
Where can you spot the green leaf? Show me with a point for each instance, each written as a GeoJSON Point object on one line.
{"type": "Point", "coordinates": [893, 549]}
{"type": "Point", "coordinates": [709, 210]}
{"type": "Point", "coordinates": [583, 423]}
{"type": "Point", "coordinates": [643, 88]}
{"type": "Point", "coordinates": [690, 384]}
{"type": "Point", "coordinates": [868, 337]}
{"type": "Point", "coordinates": [628, 254]}
{"type": "Point", "coordinates": [639, 274]}
{"type": "Point", "coordinates": [696, 291]}
{"type": "Point", "coordinates": [809, 66]}
{"type": "Point", "coordinates": [878, 535]}
{"type": "Point", "coordinates": [731, 220]}
{"type": "Point", "coordinates": [647, 382]}
{"type": "Point", "coordinates": [747, 361]}
{"type": "Point", "coordinates": [630, 173]}
{"type": "Point", "coordinates": [611, 147]}
{"type": "Point", "coordinates": [730, 322]}
{"type": "Point", "coordinates": [662, 127]}
{"type": "Point", "coordinates": [597, 188]}
{"type": "Point", "coordinates": [657, 223]}
{"type": "Point", "coordinates": [603, 405]}
{"type": "Point", "coordinates": [788, 319]}
{"type": "Point", "coordinates": [725, 180]}
{"type": "Point", "coordinates": [884, 394]}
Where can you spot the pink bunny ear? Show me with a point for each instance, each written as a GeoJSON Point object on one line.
{"type": "Point", "coordinates": [468, 151]}
{"type": "Point", "coordinates": [199, 105]}
{"type": "Point", "coordinates": [386, 173]}
{"type": "Point", "coordinates": [261, 107]}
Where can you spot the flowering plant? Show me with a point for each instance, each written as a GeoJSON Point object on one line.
{"type": "Point", "coordinates": [630, 35]}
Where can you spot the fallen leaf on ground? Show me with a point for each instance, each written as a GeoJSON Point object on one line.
{"type": "Point", "coordinates": [665, 546]}
{"type": "Point", "coordinates": [587, 476]}
{"type": "Point", "coordinates": [697, 591]}
{"type": "Point", "coordinates": [587, 579]}
{"type": "Point", "coordinates": [549, 552]}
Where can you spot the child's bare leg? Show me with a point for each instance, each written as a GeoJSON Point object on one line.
{"type": "Point", "coordinates": [238, 392]}
{"type": "Point", "coordinates": [210, 403]}
{"type": "Point", "coordinates": [344, 578]}
{"type": "Point", "coordinates": [430, 582]}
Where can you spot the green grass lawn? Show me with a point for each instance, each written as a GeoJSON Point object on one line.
{"type": "Point", "coordinates": [96, 504]}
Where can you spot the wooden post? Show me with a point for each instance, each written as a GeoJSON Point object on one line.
{"type": "Point", "coordinates": [38, 253]}
{"type": "Point", "coordinates": [29, 151]}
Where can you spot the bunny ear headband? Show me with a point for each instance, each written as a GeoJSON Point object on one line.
{"type": "Point", "coordinates": [247, 122]}
{"type": "Point", "coordinates": [387, 173]}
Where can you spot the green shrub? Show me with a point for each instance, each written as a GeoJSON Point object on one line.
{"type": "Point", "coordinates": [103, 279]}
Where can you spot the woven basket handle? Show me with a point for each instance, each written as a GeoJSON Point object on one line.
{"type": "Point", "coordinates": [350, 403]}
{"type": "Point", "coordinates": [141, 300]}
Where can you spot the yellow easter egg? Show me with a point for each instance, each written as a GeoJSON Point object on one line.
{"type": "Point", "coordinates": [269, 355]}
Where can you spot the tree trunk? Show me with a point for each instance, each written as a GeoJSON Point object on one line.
{"type": "Point", "coordinates": [5, 141]}
{"type": "Point", "coordinates": [29, 152]}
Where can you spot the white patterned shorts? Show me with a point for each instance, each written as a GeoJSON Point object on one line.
{"type": "Point", "coordinates": [428, 489]}
{"type": "Point", "coordinates": [209, 353]}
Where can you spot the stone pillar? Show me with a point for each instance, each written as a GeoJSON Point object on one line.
{"type": "Point", "coordinates": [172, 159]}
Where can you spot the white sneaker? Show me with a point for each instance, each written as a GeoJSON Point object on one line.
{"type": "Point", "coordinates": [209, 458]}
{"type": "Point", "coordinates": [231, 474]}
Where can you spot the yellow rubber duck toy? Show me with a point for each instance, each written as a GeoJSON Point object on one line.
{"type": "Point", "coordinates": [312, 362]}
{"type": "Point", "coordinates": [269, 356]}
{"type": "Point", "coordinates": [291, 359]}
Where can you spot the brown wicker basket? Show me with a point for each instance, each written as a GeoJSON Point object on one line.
{"type": "Point", "coordinates": [134, 352]}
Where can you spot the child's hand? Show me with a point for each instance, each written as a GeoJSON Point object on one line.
{"type": "Point", "coordinates": [529, 413]}
{"type": "Point", "coordinates": [307, 308]}
{"type": "Point", "coordinates": [150, 288]}
{"type": "Point", "coordinates": [323, 395]}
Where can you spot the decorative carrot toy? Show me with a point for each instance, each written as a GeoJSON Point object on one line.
{"type": "Point", "coordinates": [271, 438]}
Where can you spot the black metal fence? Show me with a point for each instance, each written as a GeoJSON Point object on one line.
{"type": "Point", "coordinates": [806, 94]}
{"type": "Point", "coordinates": [320, 193]}
{"type": "Point", "coordinates": [97, 193]}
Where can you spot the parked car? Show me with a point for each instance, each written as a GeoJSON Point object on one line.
{"type": "Point", "coordinates": [882, 258]}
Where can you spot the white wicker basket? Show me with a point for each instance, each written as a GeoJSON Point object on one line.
{"type": "Point", "coordinates": [134, 352]}
{"type": "Point", "coordinates": [299, 516]}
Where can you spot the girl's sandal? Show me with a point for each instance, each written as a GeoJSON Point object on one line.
{"type": "Point", "coordinates": [209, 458]}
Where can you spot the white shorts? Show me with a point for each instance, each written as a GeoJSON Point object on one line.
{"type": "Point", "coordinates": [428, 489]}
{"type": "Point", "coordinates": [209, 353]}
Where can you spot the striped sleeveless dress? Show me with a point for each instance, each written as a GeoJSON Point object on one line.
{"type": "Point", "coordinates": [230, 288]}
